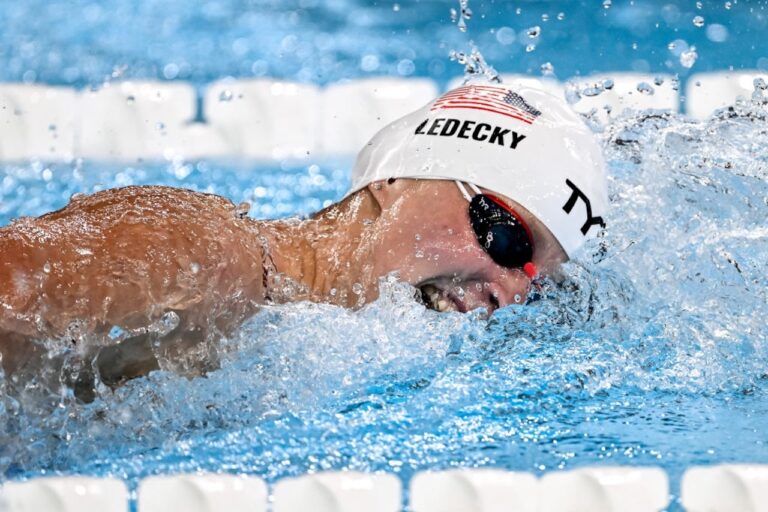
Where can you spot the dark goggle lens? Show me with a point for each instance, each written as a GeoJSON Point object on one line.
{"type": "Point", "coordinates": [500, 233]}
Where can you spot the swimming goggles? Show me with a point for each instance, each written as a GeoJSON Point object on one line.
{"type": "Point", "coordinates": [501, 232]}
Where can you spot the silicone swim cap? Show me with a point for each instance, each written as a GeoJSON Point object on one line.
{"type": "Point", "coordinates": [519, 142]}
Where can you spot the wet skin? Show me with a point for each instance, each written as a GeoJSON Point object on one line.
{"type": "Point", "coordinates": [126, 257]}
{"type": "Point", "coordinates": [176, 270]}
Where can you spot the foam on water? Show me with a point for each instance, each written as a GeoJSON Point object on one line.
{"type": "Point", "coordinates": [653, 351]}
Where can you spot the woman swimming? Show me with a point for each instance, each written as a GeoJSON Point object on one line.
{"type": "Point", "coordinates": [467, 199]}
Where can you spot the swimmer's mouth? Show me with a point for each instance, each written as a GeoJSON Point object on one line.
{"type": "Point", "coordinates": [440, 300]}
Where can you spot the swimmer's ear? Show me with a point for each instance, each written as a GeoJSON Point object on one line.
{"type": "Point", "coordinates": [386, 192]}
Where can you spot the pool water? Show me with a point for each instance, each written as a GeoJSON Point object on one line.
{"type": "Point", "coordinates": [322, 41]}
{"type": "Point", "coordinates": [653, 352]}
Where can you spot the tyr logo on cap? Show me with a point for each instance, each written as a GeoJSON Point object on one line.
{"type": "Point", "coordinates": [568, 207]}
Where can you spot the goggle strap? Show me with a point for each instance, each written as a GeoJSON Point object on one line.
{"type": "Point", "coordinates": [463, 191]}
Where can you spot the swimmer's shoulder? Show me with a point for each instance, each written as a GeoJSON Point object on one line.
{"type": "Point", "coordinates": [148, 200]}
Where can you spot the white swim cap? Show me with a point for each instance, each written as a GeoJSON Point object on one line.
{"type": "Point", "coordinates": [516, 141]}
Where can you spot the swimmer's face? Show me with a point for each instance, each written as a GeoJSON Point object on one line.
{"type": "Point", "coordinates": [431, 244]}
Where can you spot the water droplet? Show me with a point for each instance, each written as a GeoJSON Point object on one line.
{"type": "Point", "coordinates": [195, 268]}
{"type": "Point", "coordinates": [454, 15]}
{"type": "Point", "coordinates": [759, 95]}
{"type": "Point", "coordinates": [333, 292]}
{"type": "Point", "coordinates": [518, 298]}
{"type": "Point", "coordinates": [47, 268]}
{"type": "Point", "coordinates": [160, 126]}
{"type": "Point", "coordinates": [688, 57]}
{"type": "Point", "coordinates": [572, 93]}
{"type": "Point", "coordinates": [560, 16]}
{"type": "Point", "coordinates": [74, 331]}
{"type": "Point", "coordinates": [405, 67]}
{"type": "Point", "coordinates": [530, 48]}
{"type": "Point", "coordinates": [168, 322]}
{"type": "Point", "coordinates": [171, 71]}
{"type": "Point", "coordinates": [717, 33]}
{"type": "Point", "coordinates": [226, 95]}
{"type": "Point", "coordinates": [52, 127]}
{"type": "Point", "coordinates": [506, 36]}
{"type": "Point", "coordinates": [130, 99]}
{"type": "Point", "coordinates": [659, 80]}
{"type": "Point", "coordinates": [593, 90]}
{"type": "Point", "coordinates": [396, 7]}
{"type": "Point", "coordinates": [698, 21]}
{"type": "Point", "coordinates": [118, 71]}
{"type": "Point", "coordinates": [645, 88]}
{"type": "Point", "coordinates": [545, 17]}
{"type": "Point", "coordinates": [547, 69]}
{"type": "Point", "coordinates": [608, 84]}
{"type": "Point", "coordinates": [728, 5]}
{"type": "Point", "coordinates": [671, 46]}
{"type": "Point", "coordinates": [699, 5]}
{"type": "Point", "coordinates": [419, 254]}
{"type": "Point", "coordinates": [533, 32]}
{"type": "Point", "coordinates": [116, 332]}
{"type": "Point", "coordinates": [418, 236]}
{"type": "Point", "coordinates": [675, 83]}
{"type": "Point", "coordinates": [357, 288]}
{"type": "Point", "coordinates": [242, 209]}
{"type": "Point", "coordinates": [607, 4]}
{"type": "Point", "coordinates": [634, 46]}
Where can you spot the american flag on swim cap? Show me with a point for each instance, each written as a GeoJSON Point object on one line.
{"type": "Point", "coordinates": [490, 99]}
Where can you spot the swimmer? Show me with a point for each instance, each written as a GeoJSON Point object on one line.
{"type": "Point", "coordinates": [468, 199]}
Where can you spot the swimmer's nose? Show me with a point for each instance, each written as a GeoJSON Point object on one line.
{"type": "Point", "coordinates": [513, 290]}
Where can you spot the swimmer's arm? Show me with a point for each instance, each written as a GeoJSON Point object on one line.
{"type": "Point", "coordinates": [142, 254]}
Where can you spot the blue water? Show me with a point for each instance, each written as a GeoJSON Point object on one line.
{"type": "Point", "coordinates": [653, 352]}
{"type": "Point", "coordinates": [82, 42]}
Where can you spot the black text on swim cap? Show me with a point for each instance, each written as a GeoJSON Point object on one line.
{"type": "Point", "coordinates": [466, 129]}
